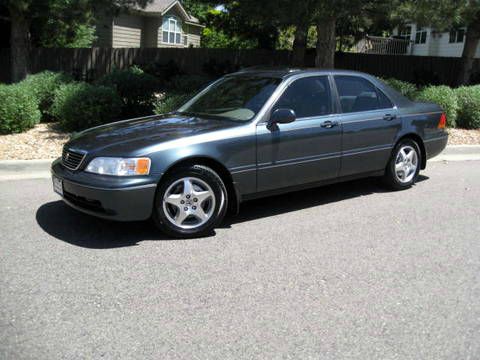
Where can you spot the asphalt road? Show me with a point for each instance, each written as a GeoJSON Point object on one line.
{"type": "Point", "coordinates": [346, 271]}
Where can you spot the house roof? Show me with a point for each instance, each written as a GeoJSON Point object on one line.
{"type": "Point", "coordinates": [160, 7]}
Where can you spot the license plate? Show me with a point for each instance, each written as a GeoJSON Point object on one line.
{"type": "Point", "coordinates": [57, 185]}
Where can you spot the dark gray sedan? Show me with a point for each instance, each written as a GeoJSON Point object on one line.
{"type": "Point", "coordinates": [248, 135]}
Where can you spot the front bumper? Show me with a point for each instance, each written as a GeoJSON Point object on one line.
{"type": "Point", "coordinates": [127, 200]}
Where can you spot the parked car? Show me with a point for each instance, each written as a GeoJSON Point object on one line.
{"type": "Point", "coordinates": [248, 135]}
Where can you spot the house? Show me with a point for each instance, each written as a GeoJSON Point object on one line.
{"type": "Point", "coordinates": [413, 39]}
{"type": "Point", "coordinates": [162, 23]}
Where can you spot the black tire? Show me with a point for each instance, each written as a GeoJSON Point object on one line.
{"type": "Point", "coordinates": [390, 178]}
{"type": "Point", "coordinates": [216, 184]}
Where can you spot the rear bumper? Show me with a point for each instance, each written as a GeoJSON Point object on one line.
{"type": "Point", "coordinates": [435, 146]}
{"type": "Point", "coordinates": [128, 203]}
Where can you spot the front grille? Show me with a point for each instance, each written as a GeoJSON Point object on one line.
{"type": "Point", "coordinates": [72, 159]}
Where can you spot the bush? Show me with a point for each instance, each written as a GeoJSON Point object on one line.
{"type": "Point", "coordinates": [443, 96]}
{"type": "Point", "coordinates": [468, 98]}
{"type": "Point", "coordinates": [18, 109]}
{"type": "Point", "coordinates": [79, 106]}
{"type": "Point", "coordinates": [43, 85]}
{"type": "Point", "coordinates": [135, 87]}
{"type": "Point", "coordinates": [405, 88]}
{"type": "Point", "coordinates": [170, 102]}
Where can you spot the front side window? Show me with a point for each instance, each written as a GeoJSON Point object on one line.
{"type": "Point", "coordinates": [308, 97]}
{"type": "Point", "coordinates": [421, 36]}
{"type": "Point", "coordinates": [358, 94]}
{"type": "Point", "coordinates": [236, 98]}
{"type": "Point", "coordinates": [171, 30]}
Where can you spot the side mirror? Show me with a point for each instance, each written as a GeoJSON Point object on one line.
{"type": "Point", "coordinates": [281, 116]}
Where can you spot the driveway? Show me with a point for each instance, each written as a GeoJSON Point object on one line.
{"type": "Point", "coordinates": [344, 271]}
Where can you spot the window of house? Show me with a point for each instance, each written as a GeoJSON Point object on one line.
{"type": "Point", "coordinates": [456, 35]}
{"type": "Point", "coordinates": [405, 33]}
{"type": "Point", "coordinates": [308, 97]}
{"type": "Point", "coordinates": [171, 30]}
{"type": "Point", "coordinates": [358, 94]}
{"type": "Point", "coordinates": [421, 36]}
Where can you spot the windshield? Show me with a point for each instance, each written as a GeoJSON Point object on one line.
{"type": "Point", "coordinates": [237, 98]}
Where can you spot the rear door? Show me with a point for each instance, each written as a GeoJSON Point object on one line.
{"type": "Point", "coordinates": [306, 150]}
{"type": "Point", "coordinates": [370, 124]}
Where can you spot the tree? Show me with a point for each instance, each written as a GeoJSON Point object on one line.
{"type": "Point", "coordinates": [445, 15]}
{"type": "Point", "coordinates": [23, 12]}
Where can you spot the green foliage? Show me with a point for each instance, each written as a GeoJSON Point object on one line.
{"type": "Point", "coordinates": [170, 102]}
{"type": "Point", "coordinates": [403, 87]}
{"type": "Point", "coordinates": [79, 106]}
{"type": "Point", "coordinates": [216, 38]}
{"type": "Point", "coordinates": [43, 86]}
{"type": "Point", "coordinates": [443, 96]}
{"type": "Point", "coordinates": [135, 87]}
{"type": "Point", "coordinates": [468, 107]}
{"type": "Point", "coordinates": [18, 109]}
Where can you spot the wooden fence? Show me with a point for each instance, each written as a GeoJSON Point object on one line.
{"type": "Point", "coordinates": [92, 63]}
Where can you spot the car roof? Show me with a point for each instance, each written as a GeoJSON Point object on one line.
{"type": "Point", "coordinates": [285, 72]}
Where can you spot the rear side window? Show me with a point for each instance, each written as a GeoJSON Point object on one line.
{"type": "Point", "coordinates": [358, 94]}
{"type": "Point", "coordinates": [308, 97]}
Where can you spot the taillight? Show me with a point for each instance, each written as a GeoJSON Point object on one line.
{"type": "Point", "coordinates": [442, 123]}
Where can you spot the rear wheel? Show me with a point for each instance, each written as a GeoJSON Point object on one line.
{"type": "Point", "coordinates": [404, 166]}
{"type": "Point", "coordinates": [190, 202]}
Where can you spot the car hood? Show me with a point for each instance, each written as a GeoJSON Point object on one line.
{"type": "Point", "coordinates": [127, 136]}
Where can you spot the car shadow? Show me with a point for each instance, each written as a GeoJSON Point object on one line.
{"type": "Point", "coordinates": [64, 223]}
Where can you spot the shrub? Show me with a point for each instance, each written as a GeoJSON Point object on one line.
{"type": "Point", "coordinates": [79, 106]}
{"type": "Point", "coordinates": [468, 107]}
{"type": "Point", "coordinates": [403, 87]}
{"type": "Point", "coordinates": [443, 96]}
{"type": "Point", "coordinates": [18, 109]}
{"type": "Point", "coordinates": [135, 87]}
{"type": "Point", "coordinates": [43, 85]}
{"type": "Point", "coordinates": [170, 102]}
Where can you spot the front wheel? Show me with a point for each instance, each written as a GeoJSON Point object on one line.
{"type": "Point", "coordinates": [190, 202]}
{"type": "Point", "coordinates": [404, 166]}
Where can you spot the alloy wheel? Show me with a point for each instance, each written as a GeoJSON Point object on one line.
{"type": "Point", "coordinates": [406, 164]}
{"type": "Point", "coordinates": [189, 203]}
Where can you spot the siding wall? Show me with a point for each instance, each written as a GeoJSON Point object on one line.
{"type": "Point", "coordinates": [127, 31]}
{"type": "Point", "coordinates": [437, 44]}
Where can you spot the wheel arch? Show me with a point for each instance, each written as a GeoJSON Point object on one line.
{"type": "Point", "coordinates": [220, 169]}
{"type": "Point", "coordinates": [419, 141]}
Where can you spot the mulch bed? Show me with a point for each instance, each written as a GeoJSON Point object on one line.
{"type": "Point", "coordinates": [45, 141]}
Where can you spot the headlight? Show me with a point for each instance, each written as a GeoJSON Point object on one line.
{"type": "Point", "coordinates": [119, 166]}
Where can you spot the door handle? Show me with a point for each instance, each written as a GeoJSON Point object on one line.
{"type": "Point", "coordinates": [329, 124]}
{"type": "Point", "coordinates": [389, 117]}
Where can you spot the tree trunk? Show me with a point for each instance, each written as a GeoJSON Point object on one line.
{"type": "Point", "coordinates": [299, 46]}
{"type": "Point", "coordinates": [19, 45]}
{"type": "Point", "coordinates": [326, 43]}
{"type": "Point", "coordinates": [471, 42]}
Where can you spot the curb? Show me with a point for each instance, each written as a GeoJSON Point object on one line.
{"type": "Point", "coordinates": [40, 169]}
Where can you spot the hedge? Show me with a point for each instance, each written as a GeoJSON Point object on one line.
{"type": "Point", "coordinates": [468, 98]}
{"type": "Point", "coordinates": [443, 96]}
{"type": "Point", "coordinates": [79, 106]}
{"type": "Point", "coordinates": [18, 109]}
{"type": "Point", "coordinates": [135, 87]}
{"type": "Point", "coordinates": [43, 85]}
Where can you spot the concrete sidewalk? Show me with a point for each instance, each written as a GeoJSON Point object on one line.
{"type": "Point", "coordinates": [40, 169]}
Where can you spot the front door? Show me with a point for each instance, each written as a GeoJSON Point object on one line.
{"type": "Point", "coordinates": [304, 151]}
